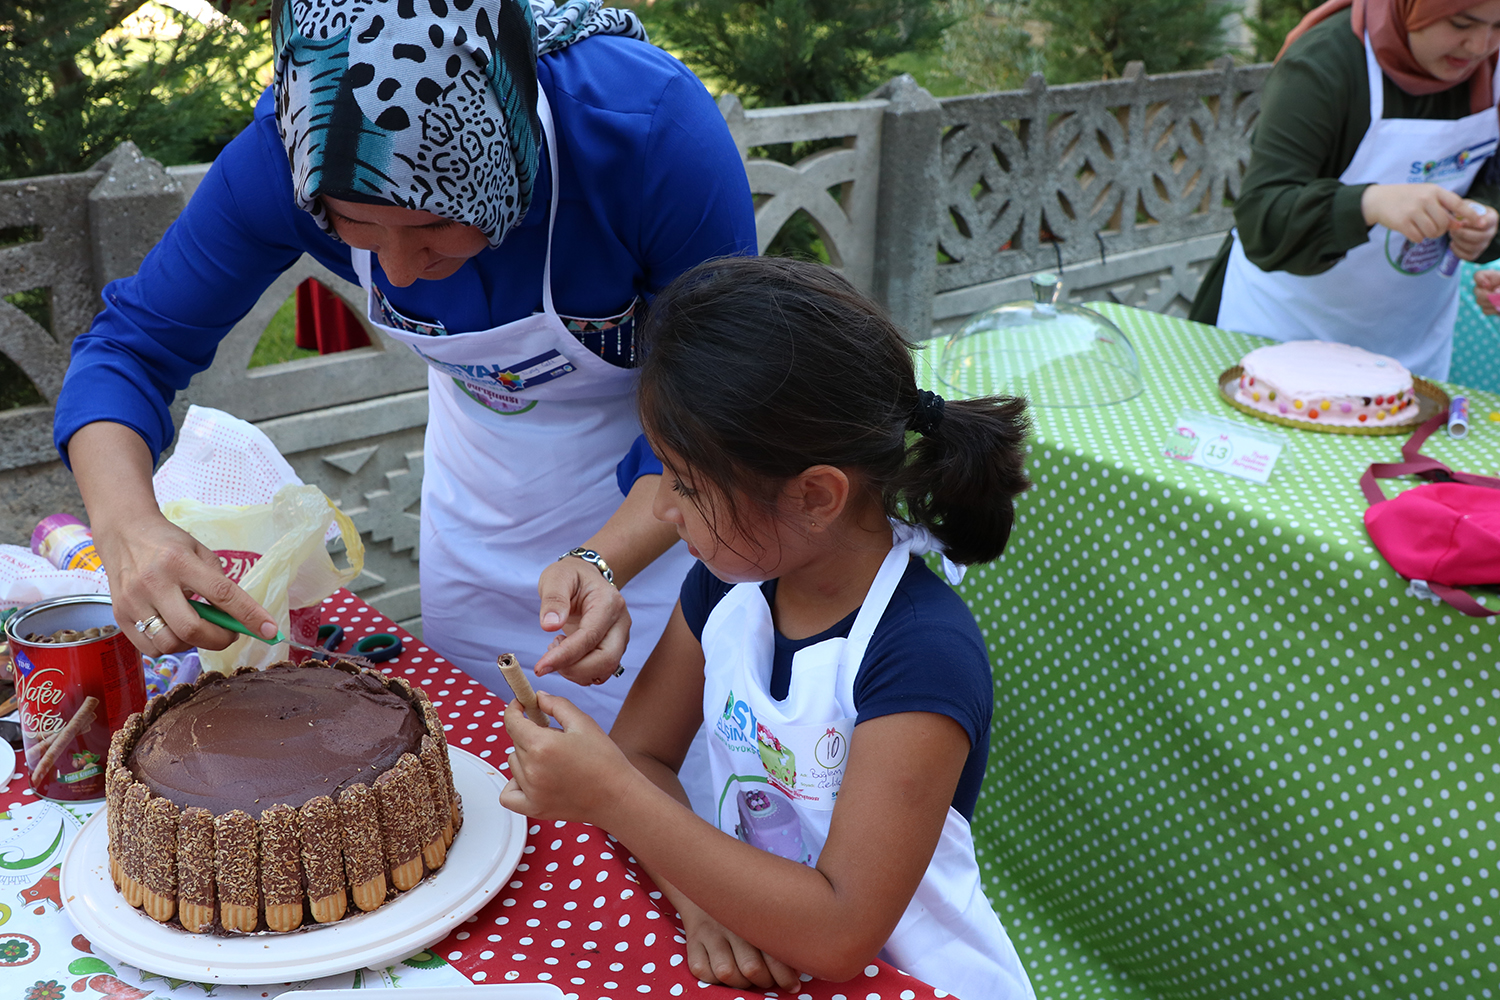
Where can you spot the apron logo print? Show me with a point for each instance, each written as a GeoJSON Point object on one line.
{"type": "Point", "coordinates": [1448, 166]}
{"type": "Point", "coordinates": [737, 722]}
{"type": "Point", "coordinates": [779, 761]}
{"type": "Point", "coordinates": [1414, 258]}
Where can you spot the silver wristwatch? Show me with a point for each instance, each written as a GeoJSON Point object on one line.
{"type": "Point", "coordinates": [590, 556]}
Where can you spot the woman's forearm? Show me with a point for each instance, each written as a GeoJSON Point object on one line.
{"type": "Point", "coordinates": [633, 538]}
{"type": "Point", "coordinates": [113, 467]}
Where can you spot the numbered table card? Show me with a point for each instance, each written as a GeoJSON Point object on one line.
{"type": "Point", "coordinates": [1233, 448]}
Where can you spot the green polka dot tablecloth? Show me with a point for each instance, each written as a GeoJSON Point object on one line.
{"type": "Point", "coordinates": [1231, 757]}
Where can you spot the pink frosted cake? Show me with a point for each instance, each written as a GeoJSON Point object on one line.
{"type": "Point", "coordinates": [1327, 383]}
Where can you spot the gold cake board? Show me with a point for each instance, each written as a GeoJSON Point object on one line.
{"type": "Point", "coordinates": [1431, 400]}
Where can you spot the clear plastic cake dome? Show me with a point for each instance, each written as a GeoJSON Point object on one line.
{"type": "Point", "coordinates": [1053, 353]}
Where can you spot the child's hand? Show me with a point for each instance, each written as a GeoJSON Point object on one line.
{"type": "Point", "coordinates": [1486, 284]}
{"type": "Point", "coordinates": [716, 955]}
{"type": "Point", "coordinates": [574, 773]}
{"type": "Point", "coordinates": [1473, 230]}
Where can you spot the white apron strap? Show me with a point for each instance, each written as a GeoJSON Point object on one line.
{"type": "Point", "coordinates": [1377, 82]}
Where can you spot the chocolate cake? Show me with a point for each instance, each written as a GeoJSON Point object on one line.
{"type": "Point", "coordinates": [264, 798]}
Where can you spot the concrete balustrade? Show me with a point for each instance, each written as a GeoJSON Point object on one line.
{"type": "Point", "coordinates": [938, 208]}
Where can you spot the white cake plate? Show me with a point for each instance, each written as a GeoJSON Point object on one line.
{"type": "Point", "coordinates": [484, 854]}
{"type": "Point", "coordinates": [7, 764]}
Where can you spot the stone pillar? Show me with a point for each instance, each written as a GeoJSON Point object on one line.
{"type": "Point", "coordinates": [906, 228]}
{"type": "Point", "coordinates": [129, 209]}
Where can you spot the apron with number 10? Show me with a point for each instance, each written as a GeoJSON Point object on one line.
{"type": "Point", "coordinates": [524, 430]}
{"type": "Point", "coordinates": [1387, 295]}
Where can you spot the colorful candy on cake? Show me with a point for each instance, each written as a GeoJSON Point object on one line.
{"type": "Point", "coordinates": [1327, 383]}
{"type": "Point", "coordinates": [264, 799]}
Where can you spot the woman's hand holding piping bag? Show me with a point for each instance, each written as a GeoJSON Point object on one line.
{"type": "Point", "coordinates": [586, 608]}
{"type": "Point", "coordinates": [153, 565]}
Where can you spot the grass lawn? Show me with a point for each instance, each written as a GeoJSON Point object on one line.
{"type": "Point", "coordinates": [279, 342]}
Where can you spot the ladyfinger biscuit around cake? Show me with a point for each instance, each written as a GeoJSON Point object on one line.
{"type": "Point", "coordinates": [159, 858]}
{"type": "Point", "coordinates": [195, 869]}
{"type": "Point", "coordinates": [364, 854]}
{"type": "Point", "coordinates": [323, 859]}
{"type": "Point", "coordinates": [405, 816]}
{"type": "Point", "coordinates": [281, 867]}
{"type": "Point", "coordinates": [237, 871]}
{"type": "Point", "coordinates": [437, 783]}
{"type": "Point", "coordinates": [132, 865]}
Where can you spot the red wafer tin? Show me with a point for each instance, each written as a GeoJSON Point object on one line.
{"type": "Point", "coordinates": [72, 695]}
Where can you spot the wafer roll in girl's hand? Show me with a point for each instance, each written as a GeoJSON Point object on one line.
{"type": "Point", "coordinates": [75, 727]}
{"type": "Point", "coordinates": [516, 678]}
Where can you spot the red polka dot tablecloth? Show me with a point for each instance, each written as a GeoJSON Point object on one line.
{"type": "Point", "coordinates": [579, 913]}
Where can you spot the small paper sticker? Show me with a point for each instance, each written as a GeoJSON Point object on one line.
{"type": "Point", "coordinates": [1199, 439]}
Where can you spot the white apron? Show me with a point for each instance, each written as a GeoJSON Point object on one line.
{"type": "Point", "coordinates": [1387, 295]}
{"type": "Point", "coordinates": [777, 766]}
{"type": "Point", "coordinates": [525, 427]}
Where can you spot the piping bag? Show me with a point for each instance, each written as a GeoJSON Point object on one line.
{"type": "Point", "coordinates": [215, 616]}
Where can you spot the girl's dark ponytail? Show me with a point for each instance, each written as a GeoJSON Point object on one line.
{"type": "Point", "coordinates": [756, 368]}
{"type": "Point", "coordinates": [961, 475]}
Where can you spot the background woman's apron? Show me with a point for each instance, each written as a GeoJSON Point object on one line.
{"type": "Point", "coordinates": [777, 767]}
{"type": "Point", "coordinates": [1388, 295]}
{"type": "Point", "coordinates": [525, 427]}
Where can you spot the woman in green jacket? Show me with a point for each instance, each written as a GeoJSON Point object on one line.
{"type": "Point", "coordinates": [1371, 174]}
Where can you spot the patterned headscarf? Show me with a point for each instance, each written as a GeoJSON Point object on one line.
{"type": "Point", "coordinates": [424, 104]}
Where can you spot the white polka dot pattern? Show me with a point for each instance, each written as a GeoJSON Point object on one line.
{"type": "Point", "coordinates": [1476, 340]}
{"type": "Point", "coordinates": [1231, 759]}
{"type": "Point", "coordinates": [579, 913]}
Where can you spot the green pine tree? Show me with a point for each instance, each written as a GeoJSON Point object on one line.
{"type": "Point", "coordinates": [73, 85]}
{"type": "Point", "coordinates": [1272, 22]}
{"type": "Point", "coordinates": [783, 52]}
{"type": "Point", "coordinates": [1095, 39]}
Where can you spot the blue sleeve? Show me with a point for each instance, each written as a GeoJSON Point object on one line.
{"type": "Point", "coordinates": [639, 461]}
{"type": "Point", "coordinates": [701, 591]}
{"type": "Point", "coordinates": [162, 325]}
{"type": "Point", "coordinates": [927, 655]}
{"type": "Point", "coordinates": [695, 175]}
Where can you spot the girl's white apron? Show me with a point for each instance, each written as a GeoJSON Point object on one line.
{"type": "Point", "coordinates": [524, 430]}
{"type": "Point", "coordinates": [1385, 295]}
{"type": "Point", "coordinates": [777, 766]}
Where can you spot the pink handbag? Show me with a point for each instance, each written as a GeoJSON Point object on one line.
{"type": "Point", "coordinates": [1441, 535]}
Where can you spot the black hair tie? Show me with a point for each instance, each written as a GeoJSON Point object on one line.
{"type": "Point", "coordinates": [927, 414]}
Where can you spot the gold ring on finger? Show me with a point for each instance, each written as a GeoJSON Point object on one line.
{"type": "Point", "coordinates": [150, 626]}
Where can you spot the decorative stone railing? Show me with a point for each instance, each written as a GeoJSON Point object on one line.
{"type": "Point", "coordinates": [936, 208]}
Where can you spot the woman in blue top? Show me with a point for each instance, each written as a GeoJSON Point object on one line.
{"type": "Point", "coordinates": [492, 203]}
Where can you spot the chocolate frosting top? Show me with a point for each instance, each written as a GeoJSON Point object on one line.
{"type": "Point", "coordinates": [281, 735]}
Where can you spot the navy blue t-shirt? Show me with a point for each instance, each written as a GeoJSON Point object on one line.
{"type": "Point", "coordinates": [926, 656]}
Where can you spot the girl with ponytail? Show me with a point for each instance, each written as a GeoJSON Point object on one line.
{"type": "Point", "coordinates": [846, 689]}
